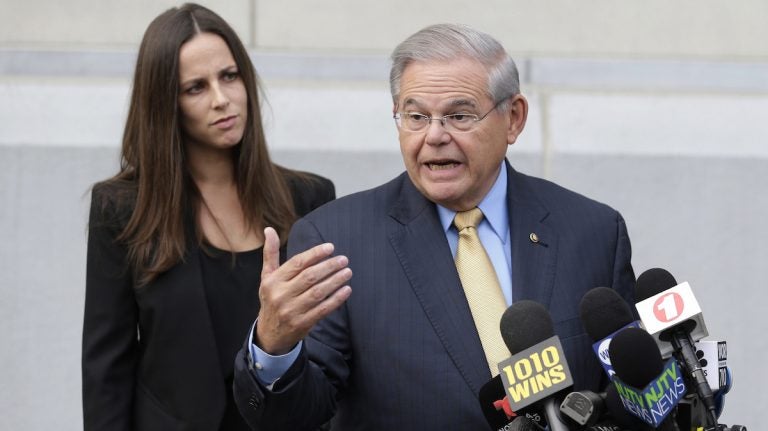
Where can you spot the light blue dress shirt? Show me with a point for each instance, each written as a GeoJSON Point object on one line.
{"type": "Point", "coordinates": [493, 231]}
{"type": "Point", "coordinates": [494, 234]}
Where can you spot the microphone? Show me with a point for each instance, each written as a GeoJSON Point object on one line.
{"type": "Point", "coordinates": [663, 304]}
{"type": "Point", "coordinates": [712, 356]}
{"type": "Point", "coordinates": [537, 372]}
{"type": "Point", "coordinates": [493, 403]}
{"type": "Point", "coordinates": [584, 407]}
{"type": "Point", "coordinates": [647, 387]}
{"type": "Point", "coordinates": [495, 406]}
{"type": "Point", "coordinates": [494, 400]}
{"type": "Point", "coordinates": [603, 313]}
{"type": "Point", "coordinates": [670, 313]}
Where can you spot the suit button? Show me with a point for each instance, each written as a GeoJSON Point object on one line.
{"type": "Point", "coordinates": [254, 401]}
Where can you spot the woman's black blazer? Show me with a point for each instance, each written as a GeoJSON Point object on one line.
{"type": "Point", "coordinates": [150, 361]}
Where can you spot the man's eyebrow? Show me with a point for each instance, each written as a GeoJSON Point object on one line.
{"type": "Point", "coordinates": [411, 101]}
{"type": "Point", "coordinates": [452, 103]}
{"type": "Point", "coordinates": [463, 102]}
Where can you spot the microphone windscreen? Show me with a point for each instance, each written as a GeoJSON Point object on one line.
{"type": "Point", "coordinates": [525, 324]}
{"type": "Point", "coordinates": [635, 357]}
{"type": "Point", "coordinates": [490, 395]}
{"type": "Point", "coordinates": [603, 311]}
{"type": "Point", "coordinates": [652, 282]}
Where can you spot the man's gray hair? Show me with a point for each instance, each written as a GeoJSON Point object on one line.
{"type": "Point", "coordinates": [443, 42]}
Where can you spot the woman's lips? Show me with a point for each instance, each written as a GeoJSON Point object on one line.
{"type": "Point", "coordinates": [226, 122]}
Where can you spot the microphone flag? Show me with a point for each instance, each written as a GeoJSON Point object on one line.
{"type": "Point", "coordinates": [669, 308]}
{"type": "Point", "coordinates": [601, 348]}
{"type": "Point", "coordinates": [535, 373]}
{"type": "Point", "coordinates": [658, 399]}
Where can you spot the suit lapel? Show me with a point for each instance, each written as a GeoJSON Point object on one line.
{"type": "Point", "coordinates": [180, 295]}
{"type": "Point", "coordinates": [534, 244]}
{"type": "Point", "coordinates": [420, 245]}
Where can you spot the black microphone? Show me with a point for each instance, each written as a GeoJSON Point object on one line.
{"type": "Point", "coordinates": [602, 411]}
{"type": "Point", "coordinates": [603, 312]}
{"type": "Point", "coordinates": [493, 398]}
{"type": "Point", "coordinates": [583, 407]}
{"type": "Point", "coordinates": [492, 401]}
{"type": "Point", "coordinates": [665, 313]}
{"type": "Point", "coordinates": [537, 374]}
{"type": "Point", "coordinates": [496, 409]}
{"type": "Point", "coordinates": [646, 386]}
{"type": "Point", "coordinates": [590, 410]}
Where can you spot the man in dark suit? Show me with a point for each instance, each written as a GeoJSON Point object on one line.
{"type": "Point", "coordinates": [398, 348]}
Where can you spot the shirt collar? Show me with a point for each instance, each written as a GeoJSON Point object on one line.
{"type": "Point", "coordinates": [493, 206]}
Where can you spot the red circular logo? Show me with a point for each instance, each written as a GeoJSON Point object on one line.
{"type": "Point", "coordinates": [668, 307]}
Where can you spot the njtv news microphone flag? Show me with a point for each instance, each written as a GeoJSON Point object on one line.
{"type": "Point", "coordinates": [657, 400]}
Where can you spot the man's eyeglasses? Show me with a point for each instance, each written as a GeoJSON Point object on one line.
{"type": "Point", "coordinates": [461, 122]}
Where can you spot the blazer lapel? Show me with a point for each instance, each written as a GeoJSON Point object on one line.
{"type": "Point", "coordinates": [420, 245]}
{"type": "Point", "coordinates": [180, 295]}
{"type": "Point", "coordinates": [534, 244]}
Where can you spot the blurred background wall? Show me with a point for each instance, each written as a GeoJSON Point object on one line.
{"type": "Point", "coordinates": [657, 108]}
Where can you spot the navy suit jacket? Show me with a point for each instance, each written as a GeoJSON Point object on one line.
{"type": "Point", "coordinates": [403, 353]}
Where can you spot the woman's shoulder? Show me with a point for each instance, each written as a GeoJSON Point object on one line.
{"type": "Point", "coordinates": [308, 190]}
{"type": "Point", "coordinates": [113, 200]}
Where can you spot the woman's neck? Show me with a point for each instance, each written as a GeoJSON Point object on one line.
{"type": "Point", "coordinates": [220, 215]}
{"type": "Point", "coordinates": [211, 168]}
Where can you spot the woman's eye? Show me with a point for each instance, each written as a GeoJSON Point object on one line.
{"type": "Point", "coordinates": [194, 89]}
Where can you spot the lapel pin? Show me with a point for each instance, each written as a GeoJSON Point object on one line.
{"type": "Point", "coordinates": [536, 240]}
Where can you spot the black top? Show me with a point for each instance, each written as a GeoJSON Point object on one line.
{"type": "Point", "coordinates": [231, 282]}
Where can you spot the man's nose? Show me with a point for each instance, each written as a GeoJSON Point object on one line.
{"type": "Point", "coordinates": [436, 133]}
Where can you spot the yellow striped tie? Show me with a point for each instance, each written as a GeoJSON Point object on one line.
{"type": "Point", "coordinates": [481, 286]}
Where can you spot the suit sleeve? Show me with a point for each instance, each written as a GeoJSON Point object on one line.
{"type": "Point", "coordinates": [623, 275]}
{"type": "Point", "coordinates": [110, 344]}
{"type": "Point", "coordinates": [307, 386]}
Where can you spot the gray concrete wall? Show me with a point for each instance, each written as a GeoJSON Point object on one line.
{"type": "Point", "coordinates": [656, 108]}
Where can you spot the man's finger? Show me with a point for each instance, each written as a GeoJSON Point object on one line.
{"type": "Point", "coordinates": [304, 260]}
{"type": "Point", "coordinates": [321, 290]}
{"type": "Point", "coordinates": [328, 305]}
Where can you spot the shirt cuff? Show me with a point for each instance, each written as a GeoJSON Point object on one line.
{"type": "Point", "coordinates": [268, 368]}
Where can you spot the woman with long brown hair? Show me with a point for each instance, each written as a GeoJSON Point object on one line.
{"type": "Point", "coordinates": [175, 247]}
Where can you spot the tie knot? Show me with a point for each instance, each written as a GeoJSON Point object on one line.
{"type": "Point", "coordinates": [465, 219]}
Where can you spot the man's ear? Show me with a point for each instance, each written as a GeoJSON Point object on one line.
{"type": "Point", "coordinates": [517, 109]}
